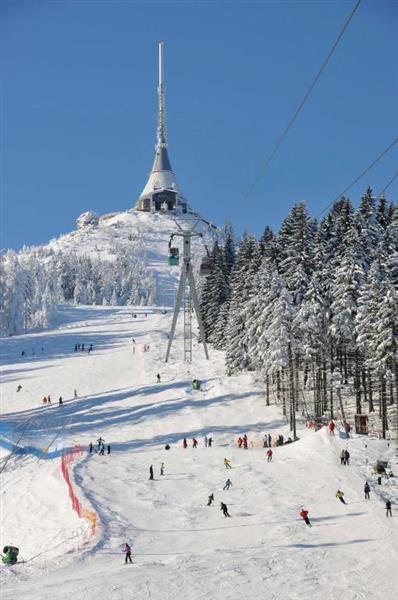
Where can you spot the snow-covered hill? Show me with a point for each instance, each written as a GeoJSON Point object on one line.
{"type": "Point", "coordinates": [145, 234]}
{"type": "Point", "coordinates": [182, 548]}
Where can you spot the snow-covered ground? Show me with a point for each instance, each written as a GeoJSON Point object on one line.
{"type": "Point", "coordinates": [182, 547]}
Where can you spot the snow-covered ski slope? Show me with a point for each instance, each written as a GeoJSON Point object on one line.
{"type": "Point", "coordinates": [182, 548]}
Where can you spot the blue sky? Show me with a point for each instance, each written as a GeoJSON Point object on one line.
{"type": "Point", "coordinates": [79, 106]}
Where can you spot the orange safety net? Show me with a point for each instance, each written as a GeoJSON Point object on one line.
{"type": "Point", "coordinates": [67, 458]}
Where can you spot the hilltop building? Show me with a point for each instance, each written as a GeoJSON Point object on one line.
{"type": "Point", "coordinates": [161, 192]}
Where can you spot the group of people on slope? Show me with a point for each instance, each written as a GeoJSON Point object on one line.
{"type": "Point", "coordinates": [100, 447]}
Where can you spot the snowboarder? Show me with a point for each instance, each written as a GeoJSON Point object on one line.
{"type": "Point", "coordinates": [227, 485]}
{"type": "Point", "coordinates": [151, 473]}
{"type": "Point", "coordinates": [210, 499]}
{"type": "Point", "coordinates": [366, 489]}
{"type": "Point", "coordinates": [340, 496]}
{"type": "Point", "coordinates": [240, 442]}
{"type": "Point", "coordinates": [90, 448]}
{"type": "Point", "coordinates": [227, 463]}
{"type": "Point", "coordinates": [127, 551]}
{"type": "Point", "coordinates": [388, 508]}
{"type": "Point", "coordinates": [184, 443]}
{"type": "Point", "coordinates": [162, 468]}
{"type": "Point", "coordinates": [224, 509]}
{"type": "Point", "coordinates": [331, 427]}
{"type": "Point", "coordinates": [210, 442]}
{"type": "Point", "coordinates": [60, 401]}
{"type": "Point", "coordinates": [346, 457]}
{"type": "Point", "coordinates": [108, 449]}
{"type": "Point", "coordinates": [304, 516]}
{"type": "Point", "coordinates": [19, 388]}
{"type": "Point", "coordinates": [194, 443]}
{"type": "Point", "coordinates": [206, 441]}
{"type": "Point", "coordinates": [269, 455]}
{"type": "Point", "coordinates": [158, 378]}
{"type": "Point", "coordinates": [342, 454]}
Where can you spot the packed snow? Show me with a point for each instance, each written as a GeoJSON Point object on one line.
{"type": "Point", "coordinates": [182, 548]}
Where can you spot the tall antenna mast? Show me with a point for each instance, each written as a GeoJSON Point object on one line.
{"type": "Point", "coordinates": [161, 132]}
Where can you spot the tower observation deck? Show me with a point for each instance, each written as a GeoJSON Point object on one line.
{"type": "Point", "coordinates": [161, 192]}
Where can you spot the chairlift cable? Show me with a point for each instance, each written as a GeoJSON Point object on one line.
{"type": "Point", "coordinates": [388, 184]}
{"type": "Point", "coordinates": [301, 105]}
{"type": "Point", "coordinates": [368, 168]}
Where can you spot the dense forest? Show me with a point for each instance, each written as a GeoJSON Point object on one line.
{"type": "Point", "coordinates": [313, 307]}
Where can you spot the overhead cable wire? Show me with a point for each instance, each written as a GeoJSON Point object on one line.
{"type": "Point", "coordinates": [368, 168]}
{"type": "Point", "coordinates": [301, 105]}
{"type": "Point", "coordinates": [385, 188]}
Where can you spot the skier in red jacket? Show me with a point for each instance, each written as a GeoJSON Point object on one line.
{"type": "Point", "coordinates": [331, 427]}
{"type": "Point", "coordinates": [304, 516]}
{"type": "Point", "coordinates": [269, 455]}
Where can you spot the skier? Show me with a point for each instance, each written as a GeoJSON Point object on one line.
{"type": "Point", "coordinates": [304, 516]}
{"type": "Point", "coordinates": [210, 442]}
{"type": "Point", "coordinates": [366, 489]}
{"type": "Point", "coordinates": [151, 473]}
{"type": "Point", "coordinates": [346, 457]}
{"type": "Point", "coordinates": [224, 509]}
{"type": "Point", "coordinates": [158, 378]}
{"type": "Point", "coordinates": [269, 455]}
{"type": "Point", "coordinates": [108, 449]}
{"type": "Point", "coordinates": [75, 394]}
{"type": "Point", "coordinates": [269, 440]}
{"type": "Point", "coordinates": [227, 463]}
{"type": "Point", "coordinates": [19, 388]}
{"type": "Point", "coordinates": [127, 551]}
{"type": "Point", "coordinates": [245, 441]}
{"type": "Point", "coordinates": [194, 443]}
{"type": "Point", "coordinates": [90, 448]}
{"type": "Point", "coordinates": [184, 443]}
{"type": "Point", "coordinates": [388, 508]}
{"type": "Point", "coordinates": [342, 454]}
{"type": "Point", "coordinates": [265, 442]}
{"type": "Point", "coordinates": [60, 401]}
{"type": "Point", "coordinates": [206, 441]}
{"type": "Point", "coordinates": [101, 449]}
{"type": "Point", "coordinates": [23, 353]}
{"type": "Point", "coordinates": [75, 347]}
{"type": "Point", "coordinates": [100, 441]}
{"type": "Point", "coordinates": [331, 427]}
{"type": "Point", "coordinates": [44, 400]}
{"type": "Point", "coordinates": [48, 399]}
{"type": "Point", "coordinates": [227, 485]}
{"type": "Point", "coordinates": [240, 442]}
{"type": "Point", "coordinates": [82, 347]}
{"type": "Point", "coordinates": [340, 496]}
{"type": "Point", "coordinates": [162, 468]}
{"type": "Point", "coordinates": [210, 499]}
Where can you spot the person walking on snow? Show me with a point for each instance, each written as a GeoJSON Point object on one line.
{"type": "Point", "coordinates": [127, 551]}
{"type": "Point", "coordinates": [269, 455]}
{"type": "Point", "coordinates": [162, 468]}
{"type": "Point", "coordinates": [151, 473]}
{"type": "Point", "coordinates": [340, 496]}
{"type": "Point", "coordinates": [304, 516]}
{"type": "Point", "coordinates": [366, 489]}
{"type": "Point", "coordinates": [227, 485]}
{"type": "Point", "coordinates": [227, 463]}
{"type": "Point", "coordinates": [210, 499]}
{"type": "Point", "coordinates": [388, 508]}
{"type": "Point", "coordinates": [194, 443]}
{"type": "Point", "coordinates": [331, 427]}
{"type": "Point", "coordinates": [184, 443]}
{"type": "Point", "coordinates": [224, 509]}
{"type": "Point", "coordinates": [342, 454]}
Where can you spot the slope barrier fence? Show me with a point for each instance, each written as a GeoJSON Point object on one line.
{"type": "Point", "coordinates": [69, 457]}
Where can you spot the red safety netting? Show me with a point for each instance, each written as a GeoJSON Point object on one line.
{"type": "Point", "coordinates": [67, 458]}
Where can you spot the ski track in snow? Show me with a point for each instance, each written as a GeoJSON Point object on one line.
{"type": "Point", "coordinates": [181, 547]}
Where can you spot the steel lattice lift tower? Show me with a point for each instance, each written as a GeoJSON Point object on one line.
{"type": "Point", "coordinates": [187, 297]}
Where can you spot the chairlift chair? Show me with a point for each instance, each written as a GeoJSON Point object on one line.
{"type": "Point", "coordinates": [206, 266]}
